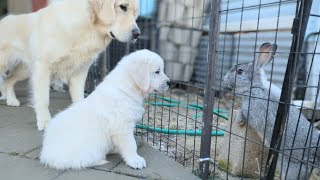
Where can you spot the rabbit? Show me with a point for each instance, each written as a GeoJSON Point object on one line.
{"type": "Point", "coordinates": [262, 119]}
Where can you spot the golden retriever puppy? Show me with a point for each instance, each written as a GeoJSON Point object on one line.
{"type": "Point", "coordinates": [60, 42]}
{"type": "Point", "coordinates": [105, 120]}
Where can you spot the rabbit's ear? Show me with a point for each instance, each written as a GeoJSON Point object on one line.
{"type": "Point", "coordinates": [266, 53]}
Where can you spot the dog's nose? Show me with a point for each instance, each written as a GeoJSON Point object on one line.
{"type": "Point", "coordinates": [136, 33]}
{"type": "Point", "coordinates": [169, 83]}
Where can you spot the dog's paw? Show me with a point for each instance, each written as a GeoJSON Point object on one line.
{"type": "Point", "coordinates": [136, 162]}
{"type": "Point", "coordinates": [43, 120]}
{"type": "Point", "coordinates": [42, 125]}
{"type": "Point", "coordinates": [13, 102]}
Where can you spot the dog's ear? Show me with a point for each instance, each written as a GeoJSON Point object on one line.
{"type": "Point", "coordinates": [107, 13]}
{"type": "Point", "coordinates": [102, 12]}
{"type": "Point", "coordinates": [142, 75]}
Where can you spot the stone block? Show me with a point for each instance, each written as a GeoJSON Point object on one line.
{"type": "Point", "coordinates": [93, 174]}
{"type": "Point", "coordinates": [164, 33]}
{"type": "Point", "coordinates": [163, 9]}
{"type": "Point", "coordinates": [178, 71]}
{"type": "Point", "coordinates": [193, 18]}
{"type": "Point", "coordinates": [14, 167]}
{"type": "Point", "coordinates": [174, 70]}
{"type": "Point", "coordinates": [192, 3]}
{"type": "Point", "coordinates": [187, 54]}
{"type": "Point", "coordinates": [168, 51]}
{"type": "Point", "coordinates": [20, 138]}
{"type": "Point", "coordinates": [253, 152]}
{"type": "Point", "coordinates": [196, 36]}
{"type": "Point", "coordinates": [159, 166]}
{"type": "Point", "coordinates": [188, 70]}
{"type": "Point", "coordinates": [175, 12]}
{"type": "Point", "coordinates": [180, 36]}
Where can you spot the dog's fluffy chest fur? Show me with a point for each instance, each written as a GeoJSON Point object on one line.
{"type": "Point", "coordinates": [118, 112]}
{"type": "Point", "coordinates": [79, 57]}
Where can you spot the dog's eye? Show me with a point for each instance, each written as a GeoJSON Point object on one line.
{"type": "Point", "coordinates": [158, 71]}
{"type": "Point", "coordinates": [239, 71]}
{"type": "Point", "coordinates": [123, 7]}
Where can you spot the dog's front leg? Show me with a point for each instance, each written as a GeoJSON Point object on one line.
{"type": "Point", "coordinates": [11, 95]}
{"type": "Point", "coordinates": [3, 90]}
{"type": "Point", "coordinates": [41, 93]}
{"type": "Point", "coordinates": [127, 146]}
{"type": "Point", "coordinates": [77, 84]}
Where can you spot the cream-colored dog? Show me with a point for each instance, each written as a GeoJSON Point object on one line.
{"type": "Point", "coordinates": [61, 41]}
{"type": "Point", "coordinates": [84, 133]}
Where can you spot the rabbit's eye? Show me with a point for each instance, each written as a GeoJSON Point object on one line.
{"type": "Point", "coordinates": [239, 71]}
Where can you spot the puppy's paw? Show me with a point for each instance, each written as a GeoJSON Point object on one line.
{"type": "Point", "coordinates": [136, 162]}
{"type": "Point", "coordinates": [43, 120]}
{"type": "Point", "coordinates": [13, 102]}
{"type": "Point", "coordinates": [102, 162]}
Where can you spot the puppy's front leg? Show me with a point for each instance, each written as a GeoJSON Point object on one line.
{"type": "Point", "coordinates": [41, 94]}
{"type": "Point", "coordinates": [76, 85]}
{"type": "Point", "coordinates": [127, 146]}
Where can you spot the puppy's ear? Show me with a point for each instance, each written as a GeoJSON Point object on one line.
{"type": "Point", "coordinates": [102, 12]}
{"type": "Point", "coordinates": [142, 76]}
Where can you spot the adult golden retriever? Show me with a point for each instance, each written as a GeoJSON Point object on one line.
{"type": "Point", "coordinates": [61, 41]}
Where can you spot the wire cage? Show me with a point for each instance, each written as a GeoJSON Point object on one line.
{"type": "Point", "coordinates": [239, 107]}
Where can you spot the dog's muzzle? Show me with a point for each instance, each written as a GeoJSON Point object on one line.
{"type": "Point", "coordinates": [136, 33]}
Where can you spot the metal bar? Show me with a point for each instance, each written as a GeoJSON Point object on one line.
{"type": "Point", "coordinates": [208, 91]}
{"type": "Point", "coordinates": [103, 66]}
{"type": "Point", "coordinates": [298, 31]}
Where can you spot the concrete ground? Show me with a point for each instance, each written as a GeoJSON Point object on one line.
{"type": "Point", "coordinates": [20, 144]}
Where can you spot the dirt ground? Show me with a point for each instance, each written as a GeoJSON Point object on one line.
{"type": "Point", "coordinates": [184, 149]}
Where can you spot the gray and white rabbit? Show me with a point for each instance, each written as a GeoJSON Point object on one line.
{"type": "Point", "coordinates": [262, 118]}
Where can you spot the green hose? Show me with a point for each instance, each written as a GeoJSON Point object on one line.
{"type": "Point", "coordinates": [217, 112]}
{"type": "Point", "coordinates": [163, 104]}
{"type": "Point", "coordinates": [175, 131]}
{"type": "Point", "coordinates": [172, 103]}
{"type": "Point", "coordinates": [166, 99]}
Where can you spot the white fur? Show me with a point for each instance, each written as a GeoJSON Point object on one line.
{"type": "Point", "coordinates": [83, 134]}
{"type": "Point", "coordinates": [60, 42]}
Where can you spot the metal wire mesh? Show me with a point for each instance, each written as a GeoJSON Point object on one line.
{"type": "Point", "coordinates": [245, 145]}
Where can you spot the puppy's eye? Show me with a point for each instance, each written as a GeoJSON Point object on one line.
{"type": "Point", "coordinates": [123, 7]}
{"type": "Point", "coordinates": [158, 71]}
{"type": "Point", "coordinates": [239, 71]}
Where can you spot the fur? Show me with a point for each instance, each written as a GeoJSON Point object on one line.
{"type": "Point", "coordinates": [60, 42]}
{"type": "Point", "coordinates": [84, 133]}
{"type": "Point", "coordinates": [262, 118]}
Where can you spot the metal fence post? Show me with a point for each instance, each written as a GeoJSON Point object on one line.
{"type": "Point", "coordinates": [103, 65]}
{"type": "Point", "coordinates": [298, 30]}
{"type": "Point", "coordinates": [208, 91]}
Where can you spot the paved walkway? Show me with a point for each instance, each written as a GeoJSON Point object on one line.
{"type": "Point", "coordinates": [20, 144]}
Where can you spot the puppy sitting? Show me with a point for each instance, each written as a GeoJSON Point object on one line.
{"type": "Point", "coordinates": [83, 134]}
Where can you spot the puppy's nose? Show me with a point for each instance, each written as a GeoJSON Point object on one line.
{"type": "Point", "coordinates": [169, 83]}
{"type": "Point", "coordinates": [136, 33]}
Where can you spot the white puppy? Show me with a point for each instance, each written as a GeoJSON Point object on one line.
{"type": "Point", "coordinates": [83, 134]}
